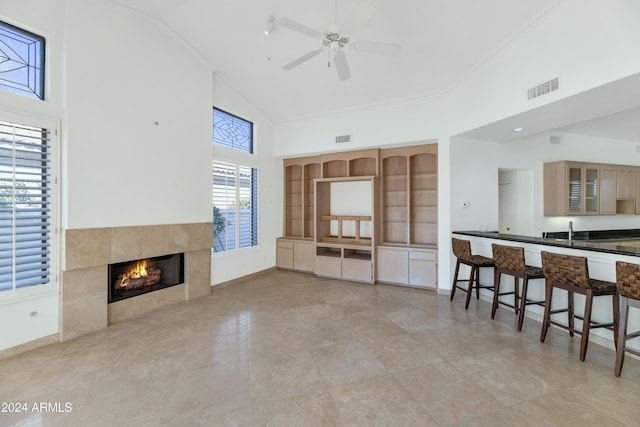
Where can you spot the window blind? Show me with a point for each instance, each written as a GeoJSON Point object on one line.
{"type": "Point", "coordinates": [235, 204]}
{"type": "Point", "coordinates": [25, 206]}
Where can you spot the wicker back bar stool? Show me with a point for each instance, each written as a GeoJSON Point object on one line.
{"type": "Point", "coordinates": [510, 260]}
{"type": "Point", "coordinates": [628, 284]}
{"type": "Point", "coordinates": [571, 273]}
{"type": "Point", "coordinates": [462, 251]}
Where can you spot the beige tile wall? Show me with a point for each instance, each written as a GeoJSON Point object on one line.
{"type": "Point", "coordinates": [87, 253]}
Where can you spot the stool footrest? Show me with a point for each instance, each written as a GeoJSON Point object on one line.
{"type": "Point", "coordinates": [632, 335]}
{"type": "Point", "coordinates": [631, 350]}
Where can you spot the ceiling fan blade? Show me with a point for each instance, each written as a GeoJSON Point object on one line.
{"type": "Point", "coordinates": [340, 61]}
{"type": "Point", "coordinates": [300, 28]}
{"type": "Point", "coordinates": [376, 47]}
{"type": "Point", "coordinates": [303, 58]}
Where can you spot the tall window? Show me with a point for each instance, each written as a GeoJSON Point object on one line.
{"type": "Point", "coordinates": [21, 61]}
{"type": "Point", "coordinates": [235, 186]}
{"type": "Point", "coordinates": [25, 206]}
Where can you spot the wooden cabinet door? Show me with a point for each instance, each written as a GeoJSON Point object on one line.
{"type": "Point", "coordinates": [284, 254]}
{"type": "Point", "coordinates": [393, 265]}
{"type": "Point", "coordinates": [608, 190]}
{"type": "Point", "coordinates": [304, 256]}
{"type": "Point", "coordinates": [591, 190]}
{"type": "Point", "coordinates": [422, 268]}
{"type": "Point", "coordinates": [626, 183]}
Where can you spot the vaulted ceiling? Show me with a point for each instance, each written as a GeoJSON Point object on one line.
{"type": "Point", "coordinates": [442, 42]}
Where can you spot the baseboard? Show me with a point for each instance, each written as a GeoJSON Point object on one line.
{"type": "Point", "coordinates": [28, 346]}
{"type": "Point", "coordinates": [237, 280]}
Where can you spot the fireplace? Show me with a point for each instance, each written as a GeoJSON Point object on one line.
{"type": "Point", "coordinates": [136, 277]}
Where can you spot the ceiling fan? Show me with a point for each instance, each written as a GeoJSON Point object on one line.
{"type": "Point", "coordinates": [333, 40]}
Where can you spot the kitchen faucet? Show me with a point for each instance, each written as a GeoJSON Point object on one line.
{"type": "Point", "coordinates": [570, 232]}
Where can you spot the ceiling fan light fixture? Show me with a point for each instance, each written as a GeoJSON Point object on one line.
{"type": "Point", "coordinates": [268, 29]}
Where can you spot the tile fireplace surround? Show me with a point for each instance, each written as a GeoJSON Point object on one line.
{"type": "Point", "coordinates": [88, 252]}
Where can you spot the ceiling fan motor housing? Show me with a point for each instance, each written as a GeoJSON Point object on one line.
{"type": "Point", "coordinates": [335, 41]}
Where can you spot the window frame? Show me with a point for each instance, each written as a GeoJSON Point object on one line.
{"type": "Point", "coordinates": [52, 287]}
{"type": "Point", "coordinates": [231, 145]}
{"type": "Point", "coordinates": [38, 92]}
{"type": "Point", "coordinates": [238, 158]}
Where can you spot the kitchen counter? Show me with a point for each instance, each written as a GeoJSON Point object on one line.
{"type": "Point", "coordinates": [602, 255]}
{"type": "Point", "coordinates": [619, 245]}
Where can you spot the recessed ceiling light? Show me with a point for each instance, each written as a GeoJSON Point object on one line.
{"type": "Point", "coordinates": [517, 129]}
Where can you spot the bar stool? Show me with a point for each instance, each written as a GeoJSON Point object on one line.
{"type": "Point", "coordinates": [571, 273]}
{"type": "Point", "coordinates": [510, 260]}
{"type": "Point", "coordinates": [462, 251]}
{"type": "Point", "coordinates": [628, 284]}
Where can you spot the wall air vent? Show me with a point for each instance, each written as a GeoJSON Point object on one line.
{"type": "Point", "coordinates": [556, 140]}
{"type": "Point", "coordinates": [343, 138]}
{"type": "Point", "coordinates": [543, 89]}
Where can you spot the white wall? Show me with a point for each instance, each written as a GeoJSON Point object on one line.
{"type": "Point", "coordinates": [474, 180]}
{"type": "Point", "coordinates": [138, 121]}
{"type": "Point", "coordinates": [586, 43]}
{"type": "Point", "coordinates": [402, 122]}
{"type": "Point", "coordinates": [228, 266]}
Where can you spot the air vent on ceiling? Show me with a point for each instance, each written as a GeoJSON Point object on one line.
{"type": "Point", "coordinates": [343, 138]}
{"type": "Point", "coordinates": [557, 140]}
{"type": "Point", "coordinates": [543, 89]}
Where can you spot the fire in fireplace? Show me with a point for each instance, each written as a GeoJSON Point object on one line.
{"type": "Point", "coordinates": [131, 278]}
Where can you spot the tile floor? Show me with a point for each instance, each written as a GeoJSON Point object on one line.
{"type": "Point", "coordinates": [290, 349]}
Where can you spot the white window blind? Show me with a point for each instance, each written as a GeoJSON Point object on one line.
{"type": "Point", "coordinates": [25, 206]}
{"type": "Point", "coordinates": [235, 206]}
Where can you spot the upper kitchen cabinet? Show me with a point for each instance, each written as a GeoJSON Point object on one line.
{"type": "Point", "coordinates": [578, 188]}
{"type": "Point", "coordinates": [571, 189]}
{"type": "Point", "coordinates": [626, 182]}
{"type": "Point", "coordinates": [626, 189]}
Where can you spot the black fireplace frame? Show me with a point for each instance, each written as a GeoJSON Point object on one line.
{"type": "Point", "coordinates": [174, 279]}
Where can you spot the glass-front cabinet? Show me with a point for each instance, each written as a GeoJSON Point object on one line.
{"type": "Point", "coordinates": [572, 188]}
{"type": "Point", "coordinates": [583, 191]}
{"type": "Point", "coordinates": [591, 191]}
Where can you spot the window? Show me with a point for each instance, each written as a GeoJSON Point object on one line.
{"type": "Point", "coordinates": [232, 132]}
{"type": "Point", "coordinates": [21, 61]}
{"type": "Point", "coordinates": [235, 206]}
{"type": "Point", "coordinates": [235, 187]}
{"type": "Point", "coordinates": [25, 206]}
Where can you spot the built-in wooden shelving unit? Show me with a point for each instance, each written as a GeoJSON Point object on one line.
{"type": "Point", "coordinates": [400, 219]}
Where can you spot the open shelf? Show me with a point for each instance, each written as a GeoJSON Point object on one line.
{"type": "Point", "coordinates": [356, 254]}
{"type": "Point", "coordinates": [299, 208]}
{"type": "Point", "coordinates": [409, 195]}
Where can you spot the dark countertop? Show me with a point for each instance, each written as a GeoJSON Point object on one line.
{"type": "Point", "coordinates": [629, 245]}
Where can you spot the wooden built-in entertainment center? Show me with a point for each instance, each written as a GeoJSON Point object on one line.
{"type": "Point", "coordinates": [367, 215]}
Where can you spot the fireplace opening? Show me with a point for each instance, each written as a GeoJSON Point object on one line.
{"type": "Point", "coordinates": [131, 278]}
